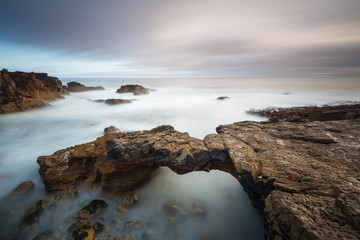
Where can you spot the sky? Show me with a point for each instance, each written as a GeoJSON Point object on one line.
{"type": "Point", "coordinates": [182, 38]}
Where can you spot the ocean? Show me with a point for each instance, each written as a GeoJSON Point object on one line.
{"type": "Point", "coordinates": [189, 105]}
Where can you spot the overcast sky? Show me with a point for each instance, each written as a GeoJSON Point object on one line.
{"type": "Point", "coordinates": [182, 38]}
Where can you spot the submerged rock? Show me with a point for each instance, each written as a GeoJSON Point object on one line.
{"type": "Point", "coordinates": [98, 227]}
{"type": "Point", "coordinates": [34, 211]}
{"type": "Point", "coordinates": [44, 235]}
{"type": "Point", "coordinates": [78, 87]}
{"type": "Point", "coordinates": [108, 237]}
{"type": "Point", "coordinates": [83, 232]}
{"type": "Point", "coordinates": [94, 208]}
{"type": "Point", "coordinates": [198, 209]}
{"type": "Point", "coordinates": [23, 189]}
{"type": "Point", "coordinates": [128, 198]}
{"type": "Point", "coordinates": [135, 89]}
{"type": "Point", "coordinates": [21, 91]}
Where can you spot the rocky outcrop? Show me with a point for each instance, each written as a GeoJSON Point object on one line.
{"type": "Point", "coordinates": [21, 91]}
{"type": "Point", "coordinates": [114, 101]}
{"type": "Point", "coordinates": [135, 89]}
{"type": "Point", "coordinates": [78, 87]}
{"type": "Point", "coordinates": [303, 114]}
{"type": "Point", "coordinates": [121, 161]}
{"type": "Point", "coordinates": [303, 175]}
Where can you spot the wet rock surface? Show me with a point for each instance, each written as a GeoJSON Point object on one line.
{"type": "Point", "coordinates": [135, 89]}
{"type": "Point", "coordinates": [21, 91]}
{"type": "Point", "coordinates": [78, 87]}
{"type": "Point", "coordinates": [304, 175]}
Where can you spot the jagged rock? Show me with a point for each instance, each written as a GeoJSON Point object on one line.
{"type": "Point", "coordinates": [135, 89]}
{"type": "Point", "coordinates": [33, 212]}
{"type": "Point", "coordinates": [83, 232]}
{"type": "Point", "coordinates": [21, 91]}
{"type": "Point", "coordinates": [223, 98]}
{"type": "Point", "coordinates": [111, 129]}
{"type": "Point", "coordinates": [122, 161]}
{"type": "Point", "coordinates": [303, 175]}
{"type": "Point", "coordinates": [78, 87]}
{"type": "Point", "coordinates": [94, 208]}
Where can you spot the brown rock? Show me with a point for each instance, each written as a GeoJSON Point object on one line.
{"type": "Point", "coordinates": [33, 212]}
{"type": "Point", "coordinates": [114, 101]}
{"type": "Point", "coordinates": [94, 208]}
{"type": "Point", "coordinates": [135, 89]}
{"type": "Point", "coordinates": [111, 129]}
{"type": "Point", "coordinates": [78, 87]}
{"type": "Point", "coordinates": [23, 188]}
{"type": "Point", "coordinates": [21, 91]}
{"type": "Point", "coordinates": [128, 198]}
{"type": "Point", "coordinates": [83, 232]}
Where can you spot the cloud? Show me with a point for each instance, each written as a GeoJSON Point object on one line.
{"type": "Point", "coordinates": [229, 38]}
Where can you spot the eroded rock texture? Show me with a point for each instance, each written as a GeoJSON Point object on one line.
{"type": "Point", "coordinates": [303, 175]}
{"type": "Point", "coordinates": [21, 91]}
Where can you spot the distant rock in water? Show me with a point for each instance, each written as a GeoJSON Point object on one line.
{"type": "Point", "coordinates": [78, 87]}
{"type": "Point", "coordinates": [223, 98]}
{"type": "Point", "coordinates": [136, 89]}
{"type": "Point", "coordinates": [114, 101]}
{"type": "Point", "coordinates": [21, 91]}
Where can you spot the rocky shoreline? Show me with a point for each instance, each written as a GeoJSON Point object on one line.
{"type": "Point", "coordinates": [21, 91]}
{"type": "Point", "coordinates": [304, 175]}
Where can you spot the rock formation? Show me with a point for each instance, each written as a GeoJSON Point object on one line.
{"type": "Point", "coordinates": [78, 87]}
{"type": "Point", "coordinates": [21, 91]}
{"type": "Point", "coordinates": [223, 98]}
{"type": "Point", "coordinates": [114, 101]}
{"type": "Point", "coordinates": [303, 175]}
{"type": "Point", "coordinates": [136, 89]}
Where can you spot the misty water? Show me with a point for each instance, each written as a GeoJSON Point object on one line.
{"type": "Point", "coordinates": [190, 105]}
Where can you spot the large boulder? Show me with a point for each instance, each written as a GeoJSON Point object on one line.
{"type": "Point", "coordinates": [78, 87]}
{"type": "Point", "coordinates": [135, 89]}
{"type": "Point", "coordinates": [21, 91]}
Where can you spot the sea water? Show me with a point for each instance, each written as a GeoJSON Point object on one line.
{"type": "Point", "coordinates": [190, 105]}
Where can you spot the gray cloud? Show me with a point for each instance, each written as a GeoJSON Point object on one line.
{"type": "Point", "coordinates": [229, 38]}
